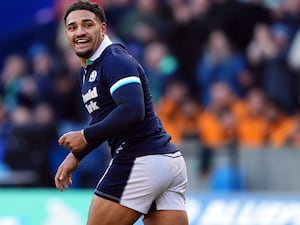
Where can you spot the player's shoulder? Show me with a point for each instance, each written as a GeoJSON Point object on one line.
{"type": "Point", "coordinates": [117, 55]}
{"type": "Point", "coordinates": [117, 64]}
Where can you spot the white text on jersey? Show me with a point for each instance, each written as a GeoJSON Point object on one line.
{"type": "Point", "coordinates": [92, 106]}
{"type": "Point", "coordinates": [91, 93]}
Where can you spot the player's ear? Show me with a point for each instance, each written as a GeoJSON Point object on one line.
{"type": "Point", "coordinates": [103, 27]}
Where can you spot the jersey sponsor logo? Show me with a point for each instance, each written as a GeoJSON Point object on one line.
{"type": "Point", "coordinates": [91, 94]}
{"type": "Point", "coordinates": [88, 96]}
{"type": "Point", "coordinates": [92, 106]}
{"type": "Point", "coordinates": [93, 76]}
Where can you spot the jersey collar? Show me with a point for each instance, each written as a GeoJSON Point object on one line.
{"type": "Point", "coordinates": [105, 43]}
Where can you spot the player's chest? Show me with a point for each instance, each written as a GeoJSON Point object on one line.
{"type": "Point", "coordinates": [95, 93]}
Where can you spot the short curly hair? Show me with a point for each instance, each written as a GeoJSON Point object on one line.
{"type": "Point", "coordinates": [86, 5]}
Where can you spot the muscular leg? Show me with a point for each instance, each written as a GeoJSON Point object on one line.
{"type": "Point", "coordinates": [105, 212]}
{"type": "Point", "coordinates": [166, 217]}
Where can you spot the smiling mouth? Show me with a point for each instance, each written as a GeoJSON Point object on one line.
{"type": "Point", "coordinates": [81, 41]}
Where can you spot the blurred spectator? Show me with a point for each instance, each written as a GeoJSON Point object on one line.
{"type": "Point", "coordinates": [3, 122]}
{"type": "Point", "coordinates": [280, 125]}
{"type": "Point", "coordinates": [288, 13]}
{"type": "Point", "coordinates": [243, 20]}
{"type": "Point", "coordinates": [42, 69]}
{"type": "Point", "coordinates": [252, 129]}
{"type": "Point", "coordinates": [220, 63]}
{"type": "Point", "coordinates": [268, 52]}
{"type": "Point", "coordinates": [168, 108]}
{"type": "Point", "coordinates": [179, 112]}
{"type": "Point", "coordinates": [14, 69]}
{"type": "Point", "coordinates": [66, 100]}
{"type": "Point", "coordinates": [115, 10]}
{"type": "Point", "coordinates": [3, 117]}
{"type": "Point", "coordinates": [28, 94]}
{"type": "Point", "coordinates": [71, 63]}
{"type": "Point", "coordinates": [160, 66]}
{"type": "Point", "coordinates": [217, 121]}
{"type": "Point", "coordinates": [294, 134]}
{"type": "Point", "coordinates": [217, 124]}
{"type": "Point", "coordinates": [190, 26]}
{"type": "Point", "coordinates": [197, 18]}
{"type": "Point", "coordinates": [28, 140]}
{"type": "Point", "coordinates": [284, 130]}
{"type": "Point", "coordinates": [259, 50]}
{"type": "Point", "coordinates": [189, 114]}
{"type": "Point", "coordinates": [237, 19]}
{"type": "Point", "coordinates": [294, 53]}
{"type": "Point", "coordinates": [142, 24]}
{"type": "Point", "coordinates": [179, 11]}
{"type": "Point", "coordinates": [17, 139]}
{"type": "Point", "coordinates": [281, 35]}
{"type": "Point", "coordinates": [44, 131]}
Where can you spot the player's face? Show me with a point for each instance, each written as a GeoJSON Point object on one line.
{"type": "Point", "coordinates": [85, 32]}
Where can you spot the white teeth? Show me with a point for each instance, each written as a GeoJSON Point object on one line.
{"type": "Point", "coordinates": [81, 41]}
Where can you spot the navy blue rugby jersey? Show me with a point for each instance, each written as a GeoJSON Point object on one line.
{"type": "Point", "coordinates": [113, 69]}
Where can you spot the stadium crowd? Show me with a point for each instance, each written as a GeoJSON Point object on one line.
{"type": "Point", "coordinates": [220, 72]}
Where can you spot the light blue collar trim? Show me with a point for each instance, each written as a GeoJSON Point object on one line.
{"type": "Point", "coordinates": [105, 43]}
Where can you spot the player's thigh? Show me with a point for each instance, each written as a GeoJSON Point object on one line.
{"type": "Point", "coordinates": [166, 217]}
{"type": "Point", "coordinates": [106, 212]}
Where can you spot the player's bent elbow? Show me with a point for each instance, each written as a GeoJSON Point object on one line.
{"type": "Point", "coordinates": [137, 113]}
{"type": "Point", "coordinates": [138, 117]}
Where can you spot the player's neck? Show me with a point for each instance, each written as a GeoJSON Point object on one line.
{"type": "Point", "coordinates": [83, 62]}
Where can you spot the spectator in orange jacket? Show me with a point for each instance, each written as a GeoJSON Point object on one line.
{"type": "Point", "coordinates": [294, 131]}
{"type": "Point", "coordinates": [252, 129]}
{"type": "Point", "coordinates": [188, 117]}
{"type": "Point", "coordinates": [281, 126]}
{"type": "Point", "coordinates": [168, 108]}
{"type": "Point", "coordinates": [287, 133]}
{"type": "Point", "coordinates": [217, 122]}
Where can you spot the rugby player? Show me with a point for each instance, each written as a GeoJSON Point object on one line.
{"type": "Point", "coordinates": [147, 174]}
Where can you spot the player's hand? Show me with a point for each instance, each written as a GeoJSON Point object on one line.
{"type": "Point", "coordinates": [73, 140]}
{"type": "Point", "coordinates": [63, 175]}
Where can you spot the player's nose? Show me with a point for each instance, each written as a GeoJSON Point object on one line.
{"type": "Point", "coordinates": [80, 31]}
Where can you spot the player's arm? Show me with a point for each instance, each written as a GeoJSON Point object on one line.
{"type": "Point", "coordinates": [129, 97]}
{"type": "Point", "coordinates": [75, 141]}
{"type": "Point", "coordinates": [130, 110]}
{"type": "Point", "coordinates": [87, 149]}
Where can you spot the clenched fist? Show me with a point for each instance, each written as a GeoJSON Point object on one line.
{"type": "Point", "coordinates": [74, 140]}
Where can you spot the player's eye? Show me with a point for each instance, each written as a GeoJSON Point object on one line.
{"type": "Point", "coordinates": [88, 24]}
{"type": "Point", "coordinates": [71, 28]}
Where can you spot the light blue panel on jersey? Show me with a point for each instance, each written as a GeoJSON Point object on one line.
{"type": "Point", "coordinates": [124, 81]}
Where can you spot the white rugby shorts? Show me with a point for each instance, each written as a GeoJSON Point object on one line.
{"type": "Point", "coordinates": [152, 182]}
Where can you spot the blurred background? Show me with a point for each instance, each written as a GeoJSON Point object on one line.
{"type": "Point", "coordinates": [225, 79]}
